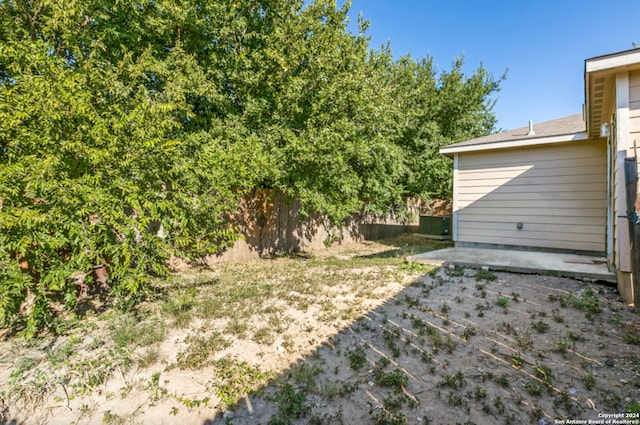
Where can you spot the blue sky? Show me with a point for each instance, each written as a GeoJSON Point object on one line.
{"type": "Point", "coordinates": [543, 44]}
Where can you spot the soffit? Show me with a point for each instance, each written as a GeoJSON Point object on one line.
{"type": "Point", "coordinates": [600, 89]}
{"type": "Point", "coordinates": [600, 81]}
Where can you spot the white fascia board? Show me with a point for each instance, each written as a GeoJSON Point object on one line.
{"type": "Point", "coordinates": [454, 207]}
{"type": "Point", "coordinates": [516, 143]}
{"type": "Point", "coordinates": [613, 61]}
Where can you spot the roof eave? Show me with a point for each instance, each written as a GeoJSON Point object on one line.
{"type": "Point", "coordinates": [563, 138]}
{"type": "Point", "coordinates": [612, 61]}
{"type": "Point", "coordinates": [600, 77]}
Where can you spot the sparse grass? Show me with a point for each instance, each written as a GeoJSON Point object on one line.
{"type": "Point", "coordinates": [129, 331]}
{"type": "Point", "coordinates": [112, 418]}
{"type": "Point", "coordinates": [415, 267]}
{"type": "Point", "coordinates": [485, 275]}
{"type": "Point", "coordinates": [292, 404]}
{"type": "Point", "coordinates": [557, 317]}
{"type": "Point", "coordinates": [396, 378]}
{"type": "Point", "coordinates": [419, 325]}
{"type": "Point", "coordinates": [455, 381]}
{"type": "Point", "coordinates": [254, 301]}
{"type": "Point", "coordinates": [503, 380]}
{"type": "Point", "coordinates": [180, 307]}
{"type": "Point", "coordinates": [468, 332]}
{"type": "Point", "coordinates": [264, 335]}
{"type": "Point", "coordinates": [92, 372]}
{"type": "Point", "coordinates": [561, 345]}
{"type": "Point", "coordinates": [149, 357]}
{"type": "Point", "coordinates": [479, 392]}
{"type": "Point", "coordinates": [632, 337]}
{"type": "Point", "coordinates": [436, 339]}
{"type": "Point", "coordinates": [455, 271]}
{"type": "Point", "coordinates": [390, 336]}
{"type": "Point", "coordinates": [304, 374]}
{"type": "Point", "coordinates": [234, 379]}
{"type": "Point", "coordinates": [589, 380]}
{"type": "Point", "coordinates": [412, 302]}
{"type": "Point", "coordinates": [454, 399]}
{"type": "Point", "coordinates": [450, 345]}
{"type": "Point", "coordinates": [586, 301]}
{"type": "Point", "coordinates": [357, 357]}
{"type": "Point", "coordinates": [333, 391]}
{"type": "Point", "coordinates": [516, 361]}
{"type": "Point", "coordinates": [543, 372]}
{"type": "Point", "coordinates": [534, 388]}
{"type": "Point", "coordinates": [502, 302]}
{"type": "Point", "coordinates": [633, 408]}
{"type": "Point", "coordinates": [381, 416]}
{"type": "Point", "coordinates": [200, 350]}
{"type": "Point", "coordinates": [237, 327]}
{"type": "Point", "coordinates": [540, 326]}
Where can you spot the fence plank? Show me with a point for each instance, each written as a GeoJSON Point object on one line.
{"type": "Point", "coordinates": [271, 224]}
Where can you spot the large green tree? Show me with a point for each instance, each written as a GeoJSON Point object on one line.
{"type": "Point", "coordinates": [130, 128]}
{"type": "Point", "coordinates": [435, 110]}
{"type": "Point", "coordinates": [108, 156]}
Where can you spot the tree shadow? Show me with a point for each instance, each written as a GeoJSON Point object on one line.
{"type": "Point", "coordinates": [412, 248]}
{"type": "Point", "coordinates": [274, 224]}
{"type": "Point", "coordinates": [10, 422]}
{"type": "Point", "coordinates": [4, 418]}
{"type": "Point", "coordinates": [439, 351]}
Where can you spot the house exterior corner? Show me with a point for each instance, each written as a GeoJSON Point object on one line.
{"type": "Point", "coordinates": [569, 185]}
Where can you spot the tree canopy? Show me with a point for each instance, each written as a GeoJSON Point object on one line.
{"type": "Point", "coordinates": [130, 128]}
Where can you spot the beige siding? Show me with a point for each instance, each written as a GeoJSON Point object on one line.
{"type": "Point", "coordinates": [558, 192]}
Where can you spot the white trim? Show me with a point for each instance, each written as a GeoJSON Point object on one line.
{"type": "Point", "coordinates": [622, 112]}
{"type": "Point", "coordinates": [617, 60]}
{"type": "Point", "coordinates": [610, 209]}
{"type": "Point", "coordinates": [622, 146]}
{"type": "Point", "coordinates": [447, 150]}
{"type": "Point", "coordinates": [454, 206]}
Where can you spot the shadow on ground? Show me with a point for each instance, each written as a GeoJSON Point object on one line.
{"type": "Point", "coordinates": [465, 347]}
{"type": "Point", "coordinates": [409, 247]}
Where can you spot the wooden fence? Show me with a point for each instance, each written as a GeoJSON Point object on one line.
{"type": "Point", "coordinates": [271, 224]}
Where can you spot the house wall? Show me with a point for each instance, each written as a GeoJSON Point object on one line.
{"type": "Point", "coordinates": [634, 107]}
{"type": "Point", "coordinates": [558, 192]}
{"type": "Point", "coordinates": [627, 140]}
{"type": "Point", "coordinates": [625, 115]}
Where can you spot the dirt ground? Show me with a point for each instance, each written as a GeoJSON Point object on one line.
{"type": "Point", "coordinates": [352, 335]}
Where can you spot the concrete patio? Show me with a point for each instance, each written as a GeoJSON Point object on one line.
{"type": "Point", "coordinates": [569, 265]}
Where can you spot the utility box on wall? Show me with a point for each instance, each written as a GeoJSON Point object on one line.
{"type": "Point", "coordinates": [435, 227]}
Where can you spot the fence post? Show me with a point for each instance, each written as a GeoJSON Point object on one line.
{"type": "Point", "coordinates": [633, 208]}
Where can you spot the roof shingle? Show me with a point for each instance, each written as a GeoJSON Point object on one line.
{"type": "Point", "coordinates": [563, 126]}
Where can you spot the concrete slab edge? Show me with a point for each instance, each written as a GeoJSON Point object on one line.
{"type": "Point", "coordinates": [611, 278]}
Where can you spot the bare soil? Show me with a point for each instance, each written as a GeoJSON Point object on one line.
{"type": "Point", "coordinates": [351, 335]}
